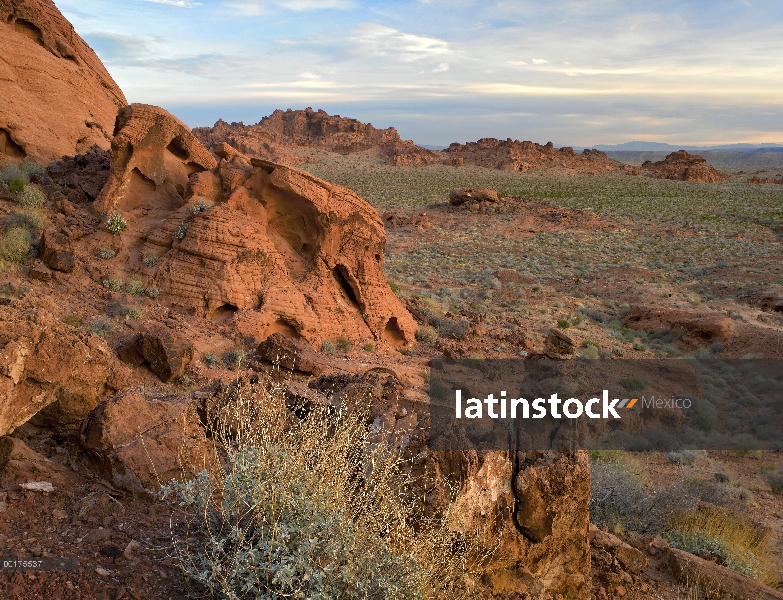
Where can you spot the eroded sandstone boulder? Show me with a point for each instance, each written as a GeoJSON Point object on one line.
{"type": "Point", "coordinates": [167, 353]}
{"type": "Point", "coordinates": [57, 96]}
{"type": "Point", "coordinates": [150, 148]}
{"type": "Point", "coordinates": [141, 444]}
{"type": "Point", "coordinates": [49, 369]}
{"type": "Point", "coordinates": [292, 354]}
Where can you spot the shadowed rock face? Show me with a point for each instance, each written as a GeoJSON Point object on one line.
{"type": "Point", "coordinates": [683, 166]}
{"type": "Point", "coordinates": [57, 96]}
{"type": "Point", "coordinates": [278, 250]}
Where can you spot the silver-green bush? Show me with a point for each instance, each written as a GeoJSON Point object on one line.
{"type": "Point", "coordinates": [306, 509]}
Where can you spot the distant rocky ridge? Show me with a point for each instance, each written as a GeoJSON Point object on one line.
{"type": "Point", "coordinates": [57, 97]}
{"type": "Point", "coordinates": [270, 137]}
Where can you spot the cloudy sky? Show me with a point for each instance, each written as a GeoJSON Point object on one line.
{"type": "Point", "coordinates": [579, 72]}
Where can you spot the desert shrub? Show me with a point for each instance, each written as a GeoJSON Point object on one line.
{"type": "Point", "coordinates": [115, 284]}
{"type": "Point", "coordinates": [153, 292]}
{"type": "Point", "coordinates": [449, 328]}
{"type": "Point", "coordinates": [590, 353]}
{"type": "Point", "coordinates": [199, 205]}
{"type": "Point", "coordinates": [150, 260]}
{"type": "Point", "coordinates": [369, 347]}
{"type": "Point", "coordinates": [179, 234]}
{"type": "Point", "coordinates": [30, 197]}
{"type": "Point", "coordinates": [100, 326]}
{"type": "Point", "coordinates": [134, 312]}
{"type": "Point", "coordinates": [30, 167]}
{"type": "Point", "coordinates": [563, 323]}
{"type": "Point", "coordinates": [134, 287]}
{"type": "Point", "coordinates": [307, 508]}
{"type": "Point", "coordinates": [10, 172]}
{"type": "Point", "coordinates": [633, 384]}
{"type": "Point", "coordinates": [327, 346]}
{"type": "Point", "coordinates": [30, 219]}
{"type": "Point", "coordinates": [621, 500]}
{"type": "Point", "coordinates": [212, 360]}
{"type": "Point", "coordinates": [16, 185]}
{"type": "Point", "coordinates": [73, 321]}
{"type": "Point", "coordinates": [107, 253]}
{"type": "Point", "coordinates": [775, 481]}
{"type": "Point", "coordinates": [235, 358]}
{"type": "Point", "coordinates": [344, 344]}
{"type": "Point", "coordinates": [736, 542]}
{"type": "Point", "coordinates": [116, 224]}
{"type": "Point", "coordinates": [17, 244]}
{"type": "Point", "coordinates": [427, 334]}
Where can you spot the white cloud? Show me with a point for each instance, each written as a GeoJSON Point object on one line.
{"type": "Point", "coordinates": [373, 39]}
{"type": "Point", "coordinates": [180, 3]}
{"type": "Point", "coordinates": [302, 5]}
{"type": "Point", "coordinates": [247, 8]}
{"type": "Point", "coordinates": [539, 61]}
{"type": "Point", "coordinates": [441, 68]}
{"type": "Point", "coordinates": [309, 75]}
{"type": "Point", "coordinates": [516, 63]}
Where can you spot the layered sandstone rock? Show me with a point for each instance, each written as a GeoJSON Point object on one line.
{"type": "Point", "coordinates": [46, 365]}
{"type": "Point", "coordinates": [683, 166]}
{"type": "Point", "coordinates": [58, 99]}
{"type": "Point", "coordinates": [270, 247]}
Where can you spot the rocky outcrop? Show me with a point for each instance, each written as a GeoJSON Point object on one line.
{"type": "Point", "coordinates": [49, 369]}
{"type": "Point", "coordinates": [694, 328]}
{"type": "Point", "coordinates": [141, 444]}
{"type": "Point", "coordinates": [271, 247]}
{"type": "Point", "coordinates": [58, 99]}
{"type": "Point", "coordinates": [471, 195]}
{"type": "Point", "coordinates": [513, 155]}
{"type": "Point", "coordinates": [316, 129]}
{"type": "Point", "coordinates": [757, 179]}
{"type": "Point", "coordinates": [683, 166]}
{"type": "Point", "coordinates": [308, 128]}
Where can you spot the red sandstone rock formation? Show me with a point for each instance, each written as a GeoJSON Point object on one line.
{"type": "Point", "coordinates": [57, 97]}
{"type": "Point", "coordinates": [513, 155]}
{"type": "Point", "coordinates": [273, 248]}
{"type": "Point", "coordinates": [268, 138]}
{"type": "Point", "coordinates": [684, 167]}
{"type": "Point", "coordinates": [757, 179]}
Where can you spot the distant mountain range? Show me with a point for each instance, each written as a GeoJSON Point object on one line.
{"type": "Point", "coordinates": [660, 147]}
